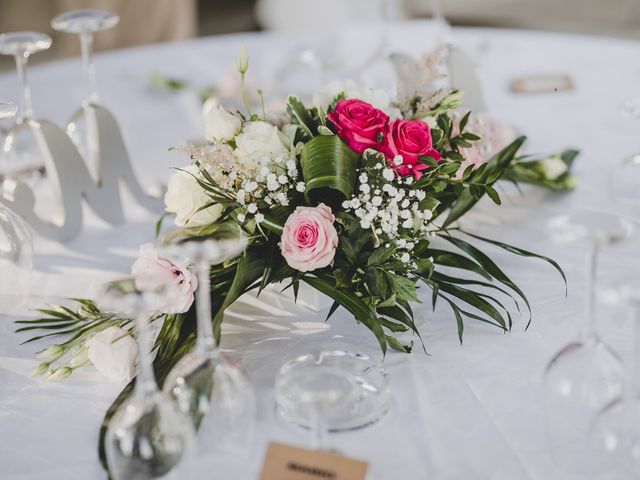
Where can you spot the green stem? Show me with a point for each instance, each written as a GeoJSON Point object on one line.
{"type": "Point", "coordinates": [245, 101]}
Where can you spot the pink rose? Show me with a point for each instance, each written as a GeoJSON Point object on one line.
{"type": "Point", "coordinates": [359, 124]}
{"type": "Point", "coordinates": [494, 136]}
{"type": "Point", "coordinates": [309, 239]}
{"type": "Point", "coordinates": [151, 273]}
{"type": "Point", "coordinates": [411, 139]}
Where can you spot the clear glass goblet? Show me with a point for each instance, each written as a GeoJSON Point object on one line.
{"type": "Point", "coordinates": [331, 391]}
{"type": "Point", "coordinates": [21, 153]}
{"type": "Point", "coordinates": [616, 428]}
{"type": "Point", "coordinates": [207, 384]}
{"type": "Point", "coordinates": [585, 375]}
{"type": "Point", "coordinates": [625, 176]}
{"type": "Point", "coordinates": [148, 436]}
{"type": "Point", "coordinates": [82, 127]}
{"type": "Point", "coordinates": [16, 250]}
{"type": "Point", "coordinates": [7, 110]}
{"type": "Point", "coordinates": [341, 39]}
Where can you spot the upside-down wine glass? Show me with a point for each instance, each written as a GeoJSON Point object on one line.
{"type": "Point", "coordinates": [585, 375]}
{"type": "Point", "coordinates": [16, 250]}
{"type": "Point", "coordinates": [82, 127]}
{"type": "Point", "coordinates": [21, 154]}
{"type": "Point", "coordinates": [148, 436]}
{"type": "Point", "coordinates": [7, 110]}
{"type": "Point", "coordinates": [616, 428]}
{"type": "Point", "coordinates": [340, 39]}
{"type": "Point", "coordinates": [625, 176]}
{"type": "Point", "coordinates": [207, 384]}
{"type": "Point", "coordinates": [331, 391]}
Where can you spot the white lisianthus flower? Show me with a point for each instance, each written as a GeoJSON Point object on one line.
{"type": "Point", "coordinates": [220, 125]}
{"type": "Point", "coordinates": [377, 97]}
{"type": "Point", "coordinates": [184, 197]}
{"type": "Point", "coordinates": [257, 141]}
{"type": "Point", "coordinates": [113, 352]}
{"type": "Point", "coordinates": [553, 167]}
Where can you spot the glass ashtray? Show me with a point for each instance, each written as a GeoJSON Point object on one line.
{"type": "Point", "coordinates": [348, 390]}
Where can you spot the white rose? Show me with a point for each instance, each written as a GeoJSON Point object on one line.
{"type": "Point", "coordinates": [220, 125]}
{"type": "Point", "coordinates": [257, 141]}
{"type": "Point", "coordinates": [184, 197]}
{"type": "Point", "coordinates": [553, 167]}
{"type": "Point", "coordinates": [113, 352]}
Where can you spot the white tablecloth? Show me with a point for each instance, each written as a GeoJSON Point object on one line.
{"type": "Point", "coordinates": [462, 412]}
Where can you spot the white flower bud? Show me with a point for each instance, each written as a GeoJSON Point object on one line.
{"type": "Point", "coordinates": [52, 353]}
{"type": "Point", "coordinates": [79, 358]}
{"type": "Point", "coordinates": [242, 63]}
{"type": "Point", "coordinates": [60, 373]}
{"type": "Point", "coordinates": [39, 370]}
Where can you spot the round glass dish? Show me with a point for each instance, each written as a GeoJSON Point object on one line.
{"type": "Point", "coordinates": [350, 390]}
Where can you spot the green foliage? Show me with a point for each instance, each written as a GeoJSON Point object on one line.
{"type": "Point", "coordinates": [329, 170]}
{"type": "Point", "coordinates": [482, 179]}
{"type": "Point", "coordinates": [307, 119]}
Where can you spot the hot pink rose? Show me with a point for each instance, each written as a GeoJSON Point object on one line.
{"type": "Point", "coordinates": [309, 239]}
{"type": "Point", "coordinates": [411, 139]}
{"type": "Point", "coordinates": [151, 272]}
{"type": "Point", "coordinates": [359, 124]}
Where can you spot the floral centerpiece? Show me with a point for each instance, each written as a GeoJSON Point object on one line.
{"type": "Point", "coordinates": [348, 197]}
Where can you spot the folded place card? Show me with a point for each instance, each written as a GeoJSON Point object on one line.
{"type": "Point", "coordinates": [284, 462]}
{"type": "Point", "coordinates": [542, 84]}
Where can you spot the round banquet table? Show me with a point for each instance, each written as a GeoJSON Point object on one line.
{"type": "Point", "coordinates": [470, 411]}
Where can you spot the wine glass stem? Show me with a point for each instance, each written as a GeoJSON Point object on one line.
{"type": "Point", "coordinates": [86, 48]}
{"type": "Point", "coordinates": [146, 382]}
{"type": "Point", "coordinates": [590, 331]}
{"type": "Point", "coordinates": [205, 342]}
{"type": "Point", "coordinates": [317, 428]}
{"type": "Point", "coordinates": [437, 11]}
{"type": "Point", "coordinates": [26, 108]}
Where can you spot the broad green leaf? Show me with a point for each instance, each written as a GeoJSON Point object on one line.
{"type": "Point", "coordinates": [329, 170]}
{"type": "Point", "coordinates": [352, 303]}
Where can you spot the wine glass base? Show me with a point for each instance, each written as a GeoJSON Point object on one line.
{"type": "Point", "coordinates": [356, 390]}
